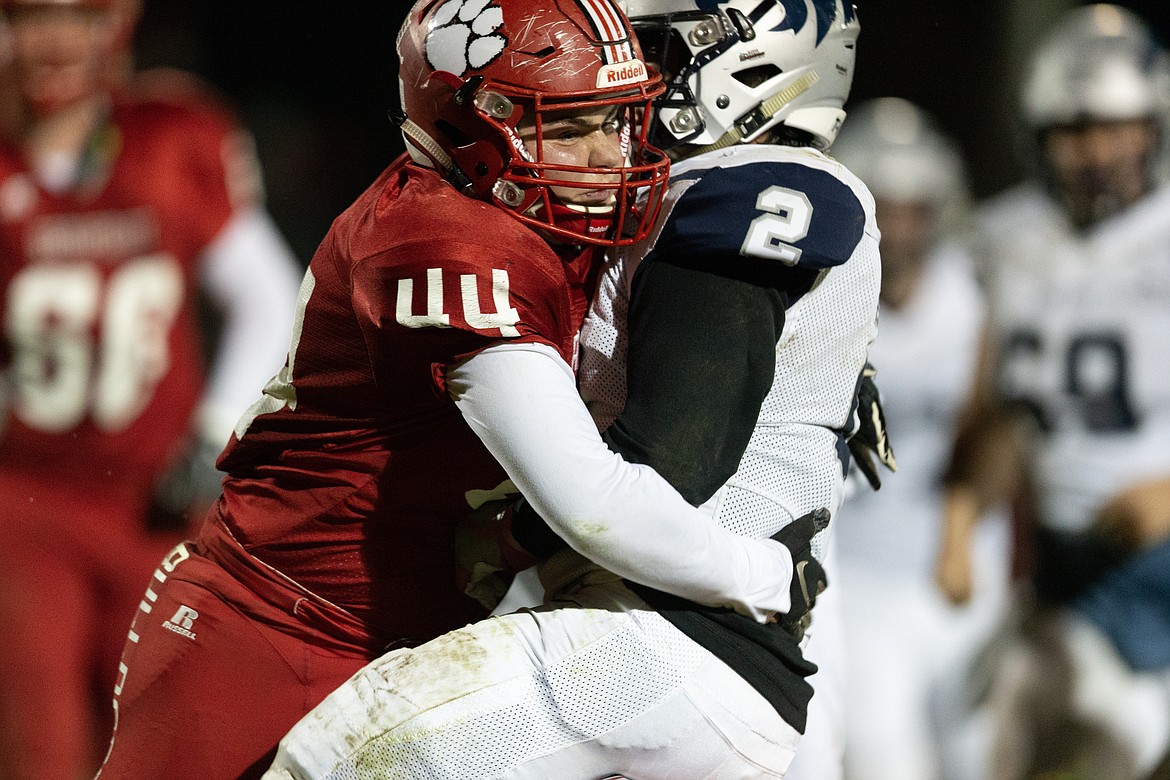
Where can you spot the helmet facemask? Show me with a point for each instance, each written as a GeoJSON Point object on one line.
{"type": "Point", "coordinates": [1097, 168]}
{"type": "Point", "coordinates": [663, 39]}
{"type": "Point", "coordinates": [481, 119]}
{"type": "Point", "coordinates": [611, 201]}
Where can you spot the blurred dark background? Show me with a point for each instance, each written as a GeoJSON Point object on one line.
{"type": "Point", "coordinates": [313, 82]}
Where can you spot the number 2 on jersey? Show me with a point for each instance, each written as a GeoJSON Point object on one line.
{"type": "Point", "coordinates": [63, 368]}
{"type": "Point", "coordinates": [788, 214]}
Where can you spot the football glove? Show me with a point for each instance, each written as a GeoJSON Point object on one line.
{"type": "Point", "coordinates": [869, 439]}
{"type": "Point", "coordinates": [808, 576]}
{"type": "Point", "coordinates": [487, 556]}
{"type": "Point", "coordinates": [187, 489]}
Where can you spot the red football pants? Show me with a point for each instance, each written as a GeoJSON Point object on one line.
{"type": "Point", "coordinates": [222, 659]}
{"type": "Point", "coordinates": [72, 568]}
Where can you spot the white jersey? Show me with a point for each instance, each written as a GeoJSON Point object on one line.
{"type": "Point", "coordinates": [1082, 322]}
{"type": "Point", "coordinates": [822, 219]}
{"type": "Point", "coordinates": [926, 361]}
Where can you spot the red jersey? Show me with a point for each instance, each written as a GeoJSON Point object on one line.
{"type": "Point", "coordinates": [351, 472]}
{"type": "Point", "coordinates": [100, 337]}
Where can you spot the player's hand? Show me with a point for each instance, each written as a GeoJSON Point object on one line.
{"type": "Point", "coordinates": [1139, 516]}
{"type": "Point", "coordinates": [187, 489]}
{"type": "Point", "coordinates": [487, 556]}
{"type": "Point", "coordinates": [808, 576]}
{"type": "Point", "coordinates": [869, 440]}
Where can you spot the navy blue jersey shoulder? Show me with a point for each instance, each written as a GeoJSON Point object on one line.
{"type": "Point", "coordinates": [717, 214]}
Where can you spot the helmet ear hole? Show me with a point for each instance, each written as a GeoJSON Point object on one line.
{"type": "Point", "coordinates": [452, 134]}
{"type": "Point", "coordinates": [754, 77]}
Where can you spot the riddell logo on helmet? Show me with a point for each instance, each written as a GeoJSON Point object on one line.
{"type": "Point", "coordinates": [629, 72]}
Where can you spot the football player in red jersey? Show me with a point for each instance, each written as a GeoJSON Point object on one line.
{"type": "Point", "coordinates": [120, 200]}
{"type": "Point", "coordinates": [724, 351]}
{"type": "Point", "coordinates": [431, 370]}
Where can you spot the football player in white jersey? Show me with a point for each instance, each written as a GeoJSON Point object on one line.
{"type": "Point", "coordinates": [760, 227]}
{"type": "Point", "coordinates": [1078, 277]}
{"type": "Point", "coordinates": [909, 652]}
{"type": "Point", "coordinates": [750, 311]}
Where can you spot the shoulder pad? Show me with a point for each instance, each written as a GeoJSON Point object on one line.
{"type": "Point", "coordinates": [789, 212]}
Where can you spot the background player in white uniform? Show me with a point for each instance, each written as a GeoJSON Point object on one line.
{"type": "Point", "coordinates": [758, 246]}
{"type": "Point", "coordinates": [908, 650]}
{"type": "Point", "coordinates": [1078, 269]}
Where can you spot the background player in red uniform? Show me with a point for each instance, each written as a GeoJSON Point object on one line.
{"type": "Point", "coordinates": [440, 313]}
{"type": "Point", "coordinates": [117, 204]}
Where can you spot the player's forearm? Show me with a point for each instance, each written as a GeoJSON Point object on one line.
{"type": "Point", "coordinates": [960, 514]}
{"type": "Point", "coordinates": [961, 511]}
{"type": "Point", "coordinates": [987, 459]}
{"type": "Point", "coordinates": [1139, 515]}
{"type": "Point", "coordinates": [523, 404]}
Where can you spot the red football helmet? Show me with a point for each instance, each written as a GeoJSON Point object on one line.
{"type": "Point", "coordinates": [471, 70]}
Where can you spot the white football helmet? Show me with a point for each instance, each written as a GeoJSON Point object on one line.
{"type": "Point", "coordinates": [737, 68]}
{"type": "Point", "coordinates": [898, 150]}
{"type": "Point", "coordinates": [1099, 62]}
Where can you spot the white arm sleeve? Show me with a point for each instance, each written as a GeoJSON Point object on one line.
{"type": "Point", "coordinates": [522, 401]}
{"type": "Point", "coordinates": [251, 276]}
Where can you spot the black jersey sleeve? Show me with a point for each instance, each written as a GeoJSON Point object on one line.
{"type": "Point", "coordinates": [701, 359]}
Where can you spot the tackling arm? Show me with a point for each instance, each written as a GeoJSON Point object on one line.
{"type": "Point", "coordinates": [522, 402]}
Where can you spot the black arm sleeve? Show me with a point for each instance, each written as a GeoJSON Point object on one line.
{"type": "Point", "coordinates": [702, 356]}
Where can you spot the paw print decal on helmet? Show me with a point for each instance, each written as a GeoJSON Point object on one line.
{"type": "Point", "coordinates": [464, 36]}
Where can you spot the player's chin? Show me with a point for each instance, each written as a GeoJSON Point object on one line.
{"type": "Point", "coordinates": [57, 88]}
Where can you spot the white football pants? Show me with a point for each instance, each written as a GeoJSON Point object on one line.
{"type": "Point", "coordinates": [571, 694]}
